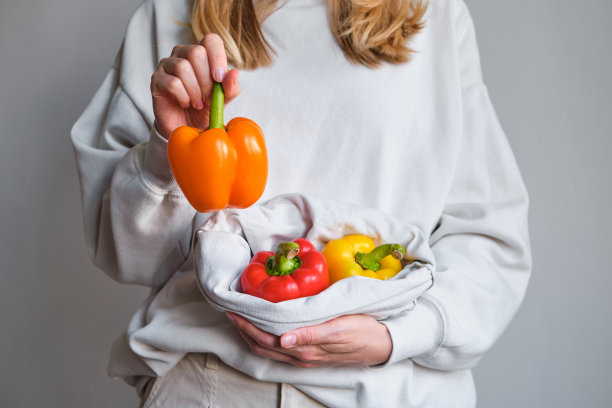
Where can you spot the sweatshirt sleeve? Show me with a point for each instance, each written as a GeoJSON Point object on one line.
{"type": "Point", "coordinates": [481, 242]}
{"type": "Point", "coordinates": [137, 221]}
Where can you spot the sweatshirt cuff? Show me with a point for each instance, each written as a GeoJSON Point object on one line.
{"type": "Point", "coordinates": [155, 166]}
{"type": "Point", "coordinates": [415, 333]}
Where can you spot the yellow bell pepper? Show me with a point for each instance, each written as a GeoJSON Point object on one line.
{"type": "Point", "coordinates": [358, 255]}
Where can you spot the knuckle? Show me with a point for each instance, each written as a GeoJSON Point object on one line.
{"type": "Point", "coordinates": [174, 84]}
{"type": "Point", "coordinates": [305, 355]}
{"type": "Point", "coordinates": [176, 49]}
{"type": "Point", "coordinates": [324, 348]}
{"type": "Point", "coordinates": [197, 53]}
{"type": "Point", "coordinates": [310, 337]}
{"type": "Point", "coordinates": [182, 67]}
{"type": "Point", "coordinates": [307, 336]}
{"type": "Point", "coordinates": [212, 38]}
{"type": "Point", "coordinates": [264, 341]}
{"type": "Point", "coordinates": [162, 62]}
{"type": "Point", "coordinates": [261, 351]}
{"type": "Point", "coordinates": [153, 82]}
{"type": "Point", "coordinates": [256, 348]}
{"type": "Point", "coordinates": [157, 83]}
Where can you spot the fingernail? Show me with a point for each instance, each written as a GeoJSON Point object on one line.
{"type": "Point", "coordinates": [219, 74]}
{"type": "Point", "coordinates": [199, 105]}
{"type": "Point", "coordinates": [288, 340]}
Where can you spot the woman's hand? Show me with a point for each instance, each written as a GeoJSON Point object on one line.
{"type": "Point", "coordinates": [352, 340]}
{"type": "Point", "coordinates": [182, 84]}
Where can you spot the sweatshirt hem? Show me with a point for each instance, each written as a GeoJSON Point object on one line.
{"type": "Point", "coordinates": [427, 326]}
{"type": "Point", "coordinates": [155, 169]}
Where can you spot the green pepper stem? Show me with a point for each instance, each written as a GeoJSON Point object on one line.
{"type": "Point", "coordinates": [372, 259]}
{"type": "Point", "coordinates": [215, 120]}
{"type": "Point", "coordinates": [285, 259]}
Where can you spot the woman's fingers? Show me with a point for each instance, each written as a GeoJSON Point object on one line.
{"type": "Point", "coordinates": [183, 70]}
{"type": "Point", "coordinates": [261, 342]}
{"type": "Point", "coordinates": [268, 345]}
{"type": "Point", "coordinates": [164, 83]}
{"type": "Point", "coordinates": [198, 57]}
{"type": "Point", "coordinates": [184, 82]}
{"type": "Point", "coordinates": [231, 86]}
{"type": "Point", "coordinates": [209, 64]}
{"type": "Point", "coordinates": [272, 353]}
{"type": "Point", "coordinates": [217, 59]}
{"type": "Point", "coordinates": [260, 336]}
{"type": "Point", "coordinates": [352, 340]}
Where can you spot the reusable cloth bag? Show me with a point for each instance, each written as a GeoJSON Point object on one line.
{"type": "Point", "coordinates": [225, 243]}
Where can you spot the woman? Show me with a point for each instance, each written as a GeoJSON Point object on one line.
{"type": "Point", "coordinates": [377, 103]}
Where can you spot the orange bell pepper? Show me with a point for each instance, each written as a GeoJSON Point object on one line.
{"type": "Point", "coordinates": [223, 166]}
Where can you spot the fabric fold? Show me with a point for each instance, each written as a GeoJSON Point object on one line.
{"type": "Point", "coordinates": [225, 243]}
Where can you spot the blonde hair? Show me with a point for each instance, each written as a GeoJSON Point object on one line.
{"type": "Point", "coordinates": [369, 32]}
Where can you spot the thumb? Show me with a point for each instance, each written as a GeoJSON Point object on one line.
{"type": "Point", "coordinates": [231, 85]}
{"type": "Point", "coordinates": [303, 336]}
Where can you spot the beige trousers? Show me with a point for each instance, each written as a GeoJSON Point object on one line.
{"type": "Point", "coordinates": [202, 380]}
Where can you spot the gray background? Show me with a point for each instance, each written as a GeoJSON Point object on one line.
{"type": "Point", "coordinates": [547, 64]}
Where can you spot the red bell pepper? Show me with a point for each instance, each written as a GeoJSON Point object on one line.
{"type": "Point", "coordinates": [283, 275]}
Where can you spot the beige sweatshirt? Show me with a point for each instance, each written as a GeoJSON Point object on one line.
{"type": "Point", "coordinates": [419, 141]}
